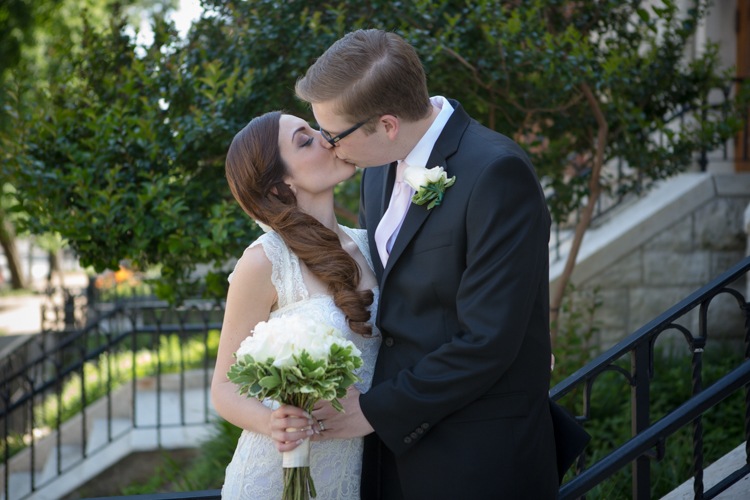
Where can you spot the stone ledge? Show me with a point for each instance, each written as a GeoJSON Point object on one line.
{"type": "Point", "coordinates": [623, 233]}
{"type": "Point", "coordinates": [732, 184]}
{"type": "Point", "coordinates": [732, 461]}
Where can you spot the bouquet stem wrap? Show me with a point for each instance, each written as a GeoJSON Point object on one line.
{"type": "Point", "coordinates": [298, 482]}
{"type": "Point", "coordinates": [298, 457]}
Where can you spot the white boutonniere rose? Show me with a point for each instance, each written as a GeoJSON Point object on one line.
{"type": "Point", "coordinates": [429, 184]}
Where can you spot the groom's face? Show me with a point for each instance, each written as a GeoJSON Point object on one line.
{"type": "Point", "coordinates": [360, 148]}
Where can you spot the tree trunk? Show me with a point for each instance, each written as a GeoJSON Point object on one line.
{"type": "Point", "coordinates": [8, 242]}
{"type": "Point", "coordinates": [583, 224]}
{"type": "Point", "coordinates": [54, 257]}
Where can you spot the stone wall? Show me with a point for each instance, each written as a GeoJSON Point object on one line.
{"type": "Point", "coordinates": [706, 239]}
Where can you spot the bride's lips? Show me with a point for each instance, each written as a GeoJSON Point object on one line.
{"type": "Point", "coordinates": [345, 160]}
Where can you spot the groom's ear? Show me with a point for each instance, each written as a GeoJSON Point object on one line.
{"type": "Point", "coordinates": [391, 124]}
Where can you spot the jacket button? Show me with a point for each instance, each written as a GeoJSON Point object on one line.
{"type": "Point", "coordinates": [414, 435]}
{"type": "Point", "coordinates": [407, 440]}
{"type": "Point", "coordinates": [389, 341]}
{"type": "Point", "coordinates": [425, 426]}
{"type": "Point", "coordinates": [420, 431]}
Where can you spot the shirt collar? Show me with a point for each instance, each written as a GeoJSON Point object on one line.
{"type": "Point", "coordinates": [421, 152]}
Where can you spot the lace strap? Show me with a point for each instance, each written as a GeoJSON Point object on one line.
{"type": "Point", "coordinates": [359, 236]}
{"type": "Point", "coordinates": [286, 275]}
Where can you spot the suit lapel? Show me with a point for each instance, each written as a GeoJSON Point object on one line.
{"type": "Point", "coordinates": [444, 148]}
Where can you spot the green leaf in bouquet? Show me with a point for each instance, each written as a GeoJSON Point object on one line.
{"type": "Point", "coordinates": [307, 389]}
{"type": "Point", "coordinates": [270, 382]}
{"type": "Point", "coordinates": [254, 389]}
{"type": "Point", "coordinates": [348, 379]}
{"type": "Point", "coordinates": [303, 360]}
{"type": "Point", "coordinates": [326, 385]}
{"type": "Point", "coordinates": [337, 406]}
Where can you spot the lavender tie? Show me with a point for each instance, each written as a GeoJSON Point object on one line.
{"type": "Point", "coordinates": [393, 218]}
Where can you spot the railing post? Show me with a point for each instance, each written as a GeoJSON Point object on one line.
{"type": "Point", "coordinates": [640, 419]}
{"type": "Point", "coordinates": [746, 312]}
{"type": "Point", "coordinates": [697, 347]}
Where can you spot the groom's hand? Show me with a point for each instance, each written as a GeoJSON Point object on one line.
{"type": "Point", "coordinates": [351, 423]}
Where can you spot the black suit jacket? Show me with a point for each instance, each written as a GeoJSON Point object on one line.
{"type": "Point", "coordinates": [459, 397]}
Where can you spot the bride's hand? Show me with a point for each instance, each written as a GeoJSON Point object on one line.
{"type": "Point", "coordinates": [289, 426]}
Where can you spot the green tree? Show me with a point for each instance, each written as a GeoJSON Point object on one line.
{"type": "Point", "coordinates": [36, 39]}
{"type": "Point", "coordinates": [580, 84]}
{"type": "Point", "coordinates": [130, 145]}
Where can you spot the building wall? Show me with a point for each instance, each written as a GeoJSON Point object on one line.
{"type": "Point", "coordinates": [653, 276]}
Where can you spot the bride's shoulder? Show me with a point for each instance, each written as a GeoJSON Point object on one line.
{"type": "Point", "coordinates": [253, 264]}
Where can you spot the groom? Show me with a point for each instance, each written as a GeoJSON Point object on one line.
{"type": "Point", "coordinates": [459, 404]}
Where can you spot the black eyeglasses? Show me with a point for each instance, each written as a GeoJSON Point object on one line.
{"type": "Point", "coordinates": [333, 140]}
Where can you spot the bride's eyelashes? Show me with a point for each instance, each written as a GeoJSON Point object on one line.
{"type": "Point", "coordinates": [307, 143]}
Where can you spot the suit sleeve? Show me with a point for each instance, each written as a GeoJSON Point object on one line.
{"type": "Point", "coordinates": [507, 233]}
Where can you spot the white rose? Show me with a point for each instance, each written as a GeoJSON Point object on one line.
{"type": "Point", "coordinates": [283, 338]}
{"type": "Point", "coordinates": [435, 173]}
{"type": "Point", "coordinates": [285, 352]}
{"type": "Point", "coordinates": [318, 348]}
{"type": "Point", "coordinates": [417, 176]}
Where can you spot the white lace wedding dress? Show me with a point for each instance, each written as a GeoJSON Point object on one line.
{"type": "Point", "coordinates": [255, 472]}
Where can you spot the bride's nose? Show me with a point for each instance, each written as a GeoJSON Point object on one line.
{"type": "Point", "coordinates": [323, 142]}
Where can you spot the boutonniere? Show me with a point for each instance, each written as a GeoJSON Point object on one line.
{"type": "Point", "coordinates": [429, 184]}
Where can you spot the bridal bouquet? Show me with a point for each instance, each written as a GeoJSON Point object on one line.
{"type": "Point", "coordinates": [296, 361]}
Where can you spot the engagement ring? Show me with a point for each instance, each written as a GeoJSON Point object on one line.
{"type": "Point", "coordinates": [320, 424]}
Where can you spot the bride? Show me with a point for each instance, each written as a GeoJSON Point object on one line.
{"type": "Point", "coordinates": [283, 176]}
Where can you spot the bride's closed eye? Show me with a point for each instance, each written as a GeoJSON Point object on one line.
{"type": "Point", "coordinates": [307, 142]}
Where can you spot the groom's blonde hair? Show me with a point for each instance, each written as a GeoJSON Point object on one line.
{"type": "Point", "coordinates": [367, 74]}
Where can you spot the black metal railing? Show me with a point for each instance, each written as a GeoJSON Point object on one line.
{"type": "Point", "coordinates": [51, 394]}
{"type": "Point", "coordinates": [612, 197]}
{"type": "Point", "coordinates": [127, 333]}
{"type": "Point", "coordinates": [648, 440]}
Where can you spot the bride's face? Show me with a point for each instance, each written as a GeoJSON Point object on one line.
{"type": "Point", "coordinates": [313, 168]}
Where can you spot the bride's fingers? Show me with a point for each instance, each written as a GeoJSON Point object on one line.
{"type": "Point", "coordinates": [287, 441]}
{"type": "Point", "coordinates": [281, 424]}
{"type": "Point", "coordinates": [291, 411]}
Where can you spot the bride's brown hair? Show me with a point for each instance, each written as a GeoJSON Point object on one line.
{"type": "Point", "coordinates": [255, 171]}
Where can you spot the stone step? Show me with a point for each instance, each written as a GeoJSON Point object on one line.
{"type": "Point", "coordinates": [69, 455]}
{"type": "Point", "coordinates": [19, 485]}
{"type": "Point", "coordinates": [100, 434]}
{"type": "Point", "coordinates": [714, 474]}
{"type": "Point", "coordinates": [175, 408]}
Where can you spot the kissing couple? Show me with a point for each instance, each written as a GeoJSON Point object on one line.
{"type": "Point", "coordinates": [449, 303]}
